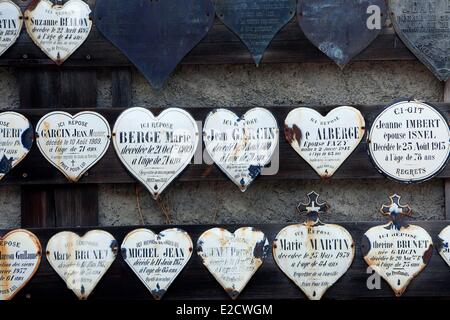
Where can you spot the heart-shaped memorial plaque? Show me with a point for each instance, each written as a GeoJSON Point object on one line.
{"type": "Point", "coordinates": [241, 147]}
{"type": "Point", "coordinates": [314, 255]}
{"type": "Point", "coordinates": [424, 28]}
{"type": "Point", "coordinates": [341, 29]}
{"type": "Point", "coordinates": [154, 35]}
{"type": "Point", "coordinates": [155, 149]}
{"type": "Point", "coordinates": [255, 22]}
{"type": "Point", "coordinates": [397, 252]}
{"type": "Point", "coordinates": [231, 258]}
{"type": "Point", "coordinates": [20, 252]}
{"type": "Point", "coordinates": [16, 139]}
{"type": "Point", "coordinates": [73, 144]}
{"type": "Point", "coordinates": [157, 259]}
{"type": "Point", "coordinates": [444, 249]}
{"type": "Point", "coordinates": [82, 261]}
{"type": "Point", "coordinates": [324, 142]}
{"type": "Point", "coordinates": [59, 30]}
{"type": "Point", "coordinates": [10, 24]}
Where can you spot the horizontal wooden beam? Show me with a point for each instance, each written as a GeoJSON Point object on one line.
{"type": "Point", "coordinates": [269, 283]}
{"type": "Point", "coordinates": [221, 46]}
{"type": "Point", "coordinates": [34, 169]}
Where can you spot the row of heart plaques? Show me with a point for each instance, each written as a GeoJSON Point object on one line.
{"type": "Point", "coordinates": [314, 255]}
{"type": "Point", "coordinates": [408, 142]}
{"type": "Point", "coordinates": [143, 30]}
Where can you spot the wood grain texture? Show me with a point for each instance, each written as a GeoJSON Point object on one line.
{"type": "Point", "coordinates": [36, 170]}
{"type": "Point", "coordinates": [269, 283]}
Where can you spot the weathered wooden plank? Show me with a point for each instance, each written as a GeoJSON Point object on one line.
{"type": "Point", "coordinates": [35, 169]}
{"type": "Point", "coordinates": [121, 87]}
{"type": "Point", "coordinates": [219, 46]}
{"type": "Point", "coordinates": [447, 181]}
{"type": "Point", "coordinates": [269, 282]}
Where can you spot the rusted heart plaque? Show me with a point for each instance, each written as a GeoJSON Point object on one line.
{"type": "Point", "coordinates": [324, 142]}
{"type": "Point", "coordinates": [16, 139]}
{"type": "Point", "coordinates": [155, 150]}
{"type": "Point", "coordinates": [341, 28]}
{"type": "Point", "coordinates": [444, 248]}
{"type": "Point", "coordinates": [398, 252]}
{"type": "Point", "coordinates": [314, 255]}
{"type": "Point", "coordinates": [425, 29]}
{"type": "Point", "coordinates": [73, 144]}
{"type": "Point", "coordinates": [255, 22]}
{"type": "Point", "coordinates": [59, 30]}
{"type": "Point", "coordinates": [20, 252]}
{"type": "Point", "coordinates": [10, 24]}
{"type": "Point", "coordinates": [82, 261]}
{"type": "Point", "coordinates": [157, 259]}
{"type": "Point", "coordinates": [241, 147]}
{"type": "Point", "coordinates": [233, 258]}
{"type": "Point", "coordinates": [154, 35]}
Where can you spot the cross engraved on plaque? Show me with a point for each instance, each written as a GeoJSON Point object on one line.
{"type": "Point", "coordinates": [313, 207]}
{"type": "Point", "coordinates": [395, 211]}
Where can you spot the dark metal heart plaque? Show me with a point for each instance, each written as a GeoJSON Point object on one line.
{"type": "Point", "coordinates": [154, 35]}
{"type": "Point", "coordinates": [424, 27]}
{"type": "Point", "coordinates": [341, 28]}
{"type": "Point", "coordinates": [255, 22]}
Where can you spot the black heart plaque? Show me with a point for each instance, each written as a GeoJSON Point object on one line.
{"type": "Point", "coordinates": [341, 28]}
{"type": "Point", "coordinates": [155, 35]}
{"type": "Point", "coordinates": [255, 22]}
{"type": "Point", "coordinates": [424, 27]}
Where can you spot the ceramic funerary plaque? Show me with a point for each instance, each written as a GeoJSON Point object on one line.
{"type": "Point", "coordinates": [73, 144]}
{"type": "Point", "coordinates": [59, 30]}
{"type": "Point", "coordinates": [410, 142]}
{"type": "Point", "coordinates": [157, 259]}
{"type": "Point", "coordinates": [397, 251]}
{"type": "Point", "coordinates": [154, 35]}
{"type": "Point", "coordinates": [241, 146]}
{"type": "Point", "coordinates": [20, 254]}
{"type": "Point", "coordinates": [444, 246]}
{"type": "Point", "coordinates": [425, 29]}
{"type": "Point", "coordinates": [341, 28]}
{"type": "Point", "coordinates": [16, 139]}
{"type": "Point", "coordinates": [324, 142]}
{"type": "Point", "coordinates": [255, 22]}
{"type": "Point", "coordinates": [82, 261]}
{"type": "Point", "coordinates": [10, 24]}
{"type": "Point", "coordinates": [155, 149]}
{"type": "Point", "coordinates": [233, 258]}
{"type": "Point", "coordinates": [314, 255]}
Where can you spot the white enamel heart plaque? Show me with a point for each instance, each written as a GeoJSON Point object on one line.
{"type": "Point", "coordinates": [73, 144]}
{"type": "Point", "coordinates": [231, 258]}
{"type": "Point", "coordinates": [10, 24]}
{"type": "Point", "coordinates": [16, 139]}
{"type": "Point", "coordinates": [59, 30]}
{"type": "Point", "coordinates": [20, 253]}
{"type": "Point", "coordinates": [444, 250]}
{"type": "Point", "coordinates": [241, 146]}
{"type": "Point", "coordinates": [324, 142]}
{"type": "Point", "coordinates": [155, 149]}
{"type": "Point", "coordinates": [157, 259]}
{"type": "Point", "coordinates": [82, 261]}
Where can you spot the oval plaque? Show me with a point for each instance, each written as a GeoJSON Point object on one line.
{"type": "Point", "coordinates": [155, 149]}
{"type": "Point", "coordinates": [10, 24]}
{"type": "Point", "coordinates": [324, 142]}
{"type": "Point", "coordinates": [398, 252]}
{"type": "Point", "coordinates": [241, 147]}
{"type": "Point", "coordinates": [73, 144]}
{"type": "Point", "coordinates": [157, 259]}
{"type": "Point", "coordinates": [20, 252]}
{"type": "Point", "coordinates": [81, 261]}
{"type": "Point", "coordinates": [444, 249]}
{"type": "Point", "coordinates": [410, 142]}
{"type": "Point", "coordinates": [233, 258]}
{"type": "Point", "coordinates": [16, 139]}
{"type": "Point", "coordinates": [59, 30]}
{"type": "Point", "coordinates": [314, 255]}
